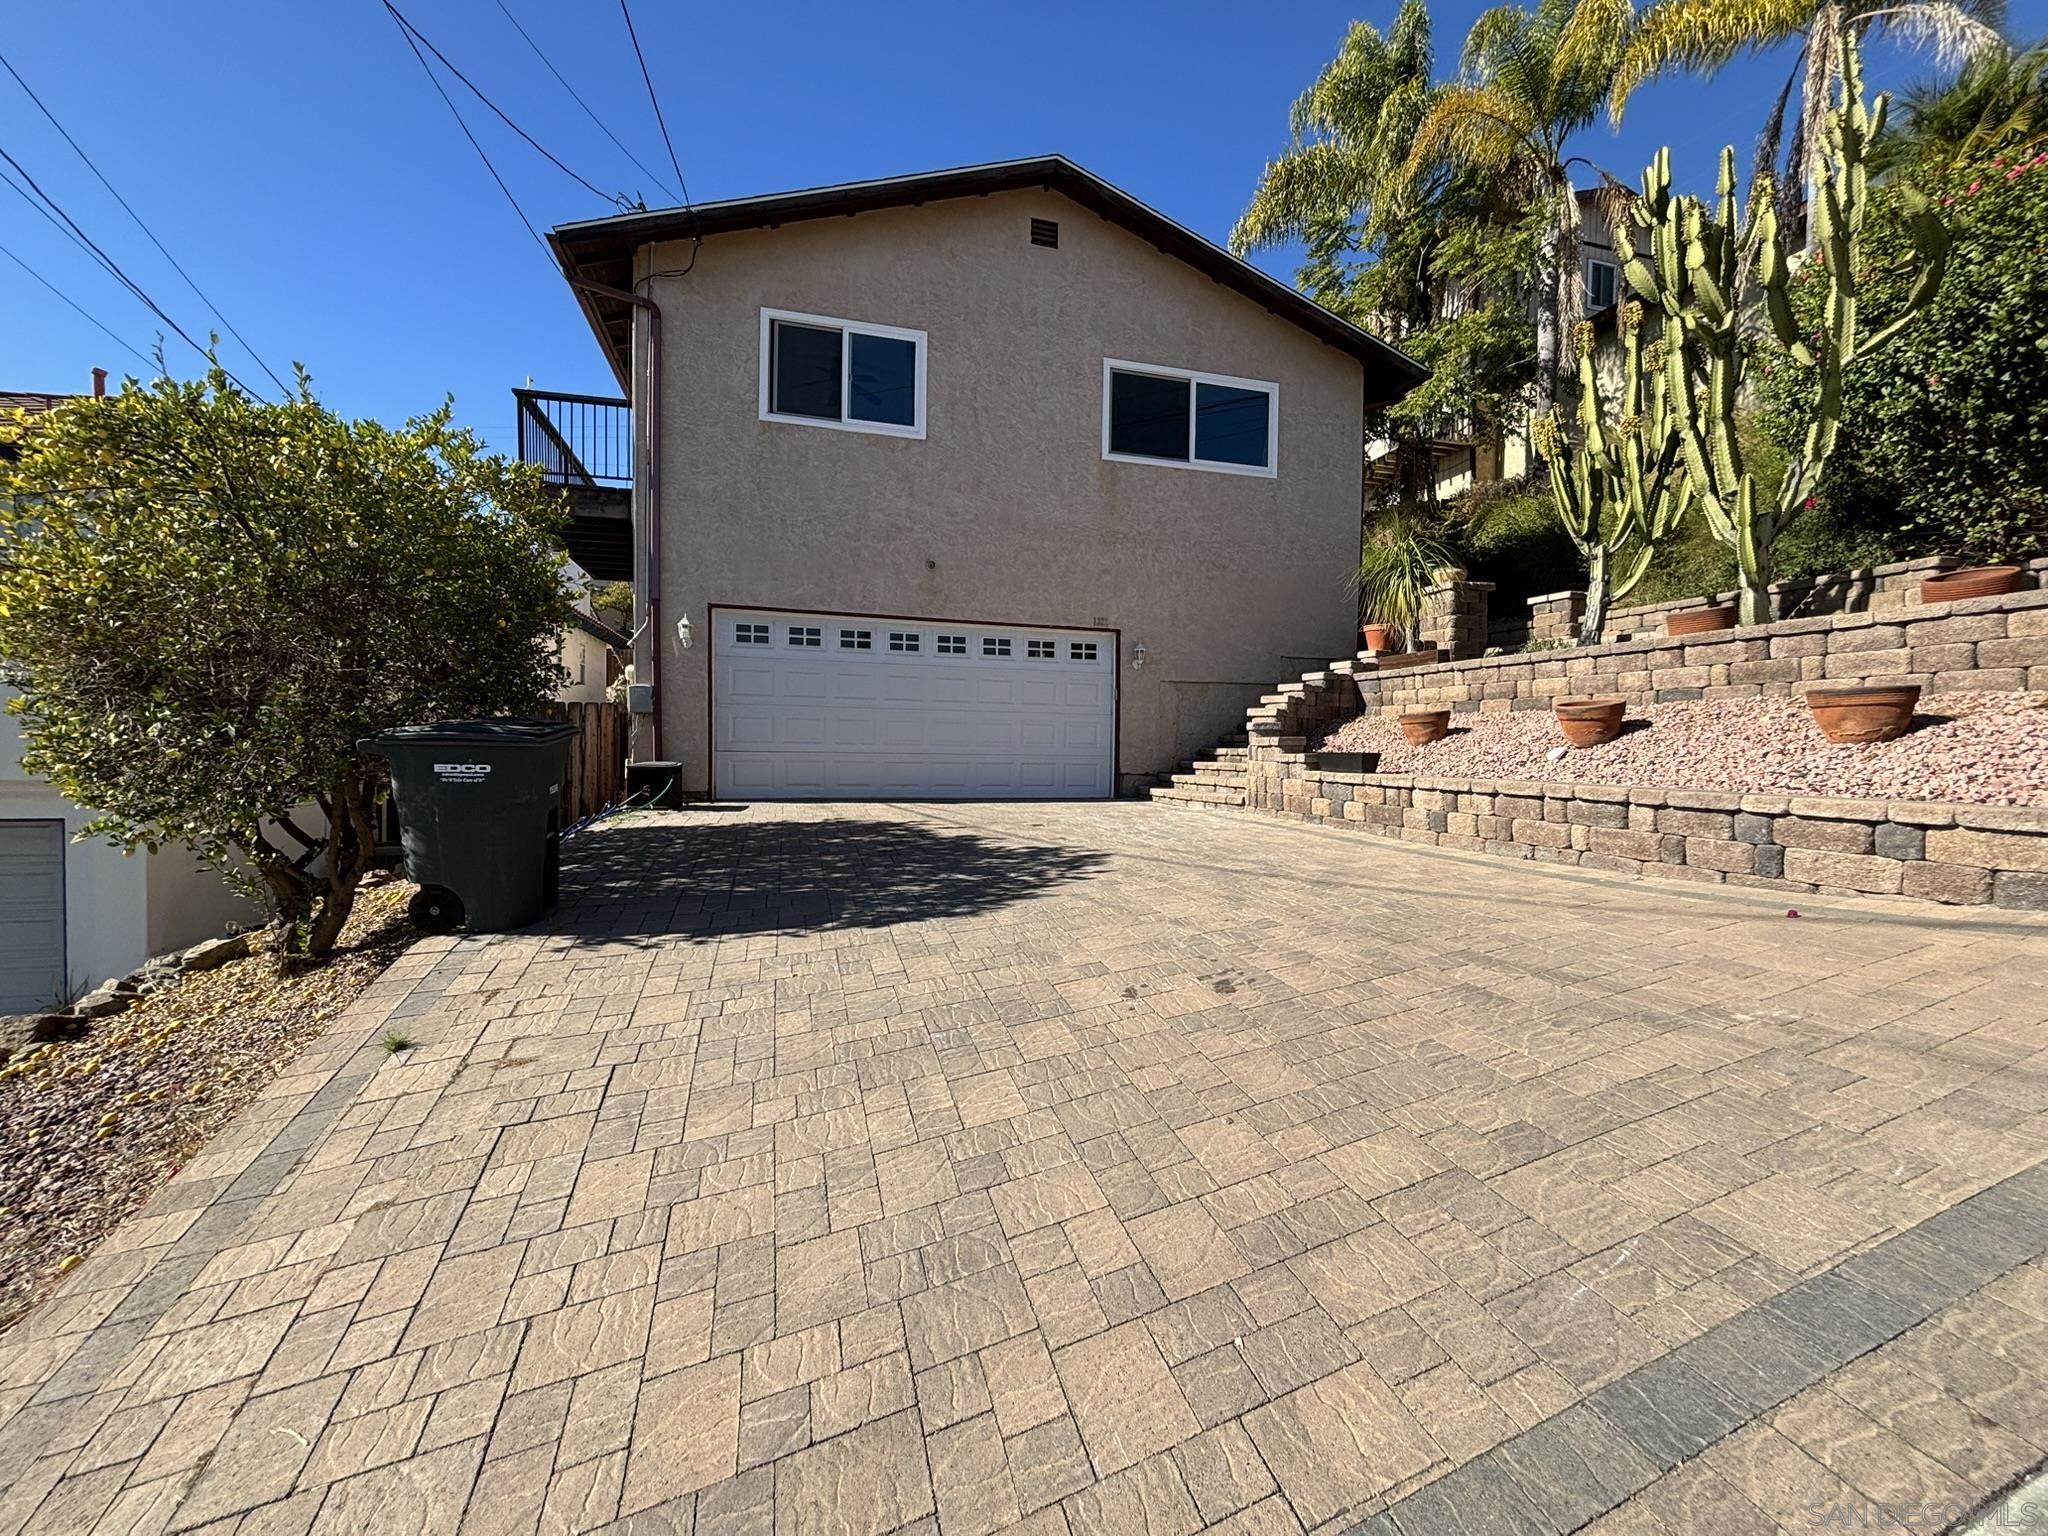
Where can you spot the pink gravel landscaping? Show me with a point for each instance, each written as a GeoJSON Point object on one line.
{"type": "Point", "coordinates": [1979, 748]}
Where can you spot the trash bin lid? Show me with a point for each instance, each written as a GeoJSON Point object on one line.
{"type": "Point", "coordinates": [507, 731]}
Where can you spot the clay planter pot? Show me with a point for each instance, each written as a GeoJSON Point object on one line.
{"type": "Point", "coordinates": [1376, 637]}
{"type": "Point", "coordinates": [1698, 621]}
{"type": "Point", "coordinates": [1978, 581]}
{"type": "Point", "coordinates": [1422, 726]}
{"type": "Point", "coordinates": [1858, 716]}
{"type": "Point", "coordinates": [1590, 722]}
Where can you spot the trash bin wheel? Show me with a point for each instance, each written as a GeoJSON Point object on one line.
{"type": "Point", "coordinates": [435, 909]}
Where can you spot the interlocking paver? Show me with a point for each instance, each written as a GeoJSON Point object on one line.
{"type": "Point", "coordinates": [1091, 1168]}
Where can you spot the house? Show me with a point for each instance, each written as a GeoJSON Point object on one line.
{"type": "Point", "coordinates": [1465, 457]}
{"type": "Point", "coordinates": [75, 914]}
{"type": "Point", "coordinates": [990, 482]}
{"type": "Point", "coordinates": [591, 650]}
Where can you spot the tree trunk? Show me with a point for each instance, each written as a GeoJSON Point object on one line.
{"type": "Point", "coordinates": [1547, 315]}
{"type": "Point", "coordinates": [1599, 593]}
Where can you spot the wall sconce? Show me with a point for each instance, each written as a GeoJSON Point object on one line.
{"type": "Point", "coordinates": [1138, 654]}
{"type": "Point", "coordinates": [685, 636]}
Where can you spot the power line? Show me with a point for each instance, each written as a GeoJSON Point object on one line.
{"type": "Point", "coordinates": [413, 32]}
{"type": "Point", "coordinates": [660, 121]}
{"type": "Point", "coordinates": [167, 256]}
{"type": "Point", "coordinates": [42, 199]}
{"type": "Point", "coordinates": [587, 109]}
{"type": "Point", "coordinates": [439, 90]}
{"type": "Point", "coordinates": [88, 314]}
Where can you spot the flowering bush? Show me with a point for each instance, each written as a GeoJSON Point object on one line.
{"type": "Point", "coordinates": [1944, 445]}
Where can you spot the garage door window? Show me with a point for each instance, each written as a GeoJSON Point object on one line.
{"type": "Point", "coordinates": [806, 636]}
{"type": "Point", "coordinates": [856, 640]}
{"type": "Point", "coordinates": [845, 374]}
{"type": "Point", "coordinates": [1191, 420]}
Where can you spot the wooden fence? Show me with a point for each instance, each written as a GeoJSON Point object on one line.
{"type": "Point", "coordinates": [597, 758]}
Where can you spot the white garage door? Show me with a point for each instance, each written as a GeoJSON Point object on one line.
{"type": "Point", "coordinates": [31, 914]}
{"type": "Point", "coordinates": [817, 706]}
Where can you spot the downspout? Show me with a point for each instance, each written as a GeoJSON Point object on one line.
{"type": "Point", "coordinates": [653, 497]}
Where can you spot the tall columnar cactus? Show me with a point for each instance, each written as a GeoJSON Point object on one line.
{"type": "Point", "coordinates": [1695, 272]}
{"type": "Point", "coordinates": [1620, 487]}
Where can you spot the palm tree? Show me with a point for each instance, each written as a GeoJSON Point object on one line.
{"type": "Point", "coordinates": [1530, 80]}
{"type": "Point", "coordinates": [1338, 187]}
{"type": "Point", "coordinates": [2000, 100]}
{"type": "Point", "coordinates": [1703, 36]}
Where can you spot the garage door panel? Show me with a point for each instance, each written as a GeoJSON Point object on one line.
{"type": "Point", "coordinates": [931, 709]}
{"type": "Point", "coordinates": [32, 960]}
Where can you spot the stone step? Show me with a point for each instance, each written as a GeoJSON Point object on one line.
{"type": "Point", "coordinates": [1198, 778]}
{"type": "Point", "coordinates": [1187, 796]}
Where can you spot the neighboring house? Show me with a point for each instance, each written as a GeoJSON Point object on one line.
{"type": "Point", "coordinates": [73, 915]}
{"type": "Point", "coordinates": [989, 483]}
{"type": "Point", "coordinates": [1465, 457]}
{"type": "Point", "coordinates": [592, 651]}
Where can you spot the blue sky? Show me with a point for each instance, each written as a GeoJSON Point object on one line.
{"type": "Point", "coordinates": [295, 159]}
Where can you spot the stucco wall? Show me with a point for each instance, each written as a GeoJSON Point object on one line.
{"type": "Point", "coordinates": [1006, 510]}
{"type": "Point", "coordinates": [119, 908]}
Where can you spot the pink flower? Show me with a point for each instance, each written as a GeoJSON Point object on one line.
{"type": "Point", "coordinates": [1975, 187]}
{"type": "Point", "coordinates": [1810, 503]}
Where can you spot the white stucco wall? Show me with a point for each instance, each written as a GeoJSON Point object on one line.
{"type": "Point", "coordinates": [119, 908]}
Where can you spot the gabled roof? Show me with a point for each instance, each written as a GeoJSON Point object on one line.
{"type": "Point", "coordinates": [28, 402]}
{"type": "Point", "coordinates": [602, 250]}
{"type": "Point", "coordinates": [590, 624]}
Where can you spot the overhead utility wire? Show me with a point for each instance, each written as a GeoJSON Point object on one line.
{"type": "Point", "coordinates": [588, 111]}
{"type": "Point", "coordinates": [441, 91]}
{"type": "Point", "coordinates": [49, 205]}
{"type": "Point", "coordinates": [660, 121]}
{"type": "Point", "coordinates": [167, 256]}
{"type": "Point", "coordinates": [129, 347]}
{"type": "Point", "coordinates": [413, 32]}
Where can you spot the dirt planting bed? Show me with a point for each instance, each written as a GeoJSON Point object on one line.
{"type": "Point", "coordinates": [1972, 748]}
{"type": "Point", "coordinates": [91, 1127]}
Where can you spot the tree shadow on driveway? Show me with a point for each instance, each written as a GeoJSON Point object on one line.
{"type": "Point", "coordinates": [688, 879]}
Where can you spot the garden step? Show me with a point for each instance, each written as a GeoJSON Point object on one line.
{"type": "Point", "coordinates": [1201, 780]}
{"type": "Point", "coordinates": [1181, 796]}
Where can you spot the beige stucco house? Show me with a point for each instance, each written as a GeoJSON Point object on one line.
{"type": "Point", "coordinates": [984, 483]}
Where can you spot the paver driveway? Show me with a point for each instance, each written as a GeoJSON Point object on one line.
{"type": "Point", "coordinates": [1099, 1168]}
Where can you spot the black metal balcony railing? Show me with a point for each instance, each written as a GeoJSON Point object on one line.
{"type": "Point", "coordinates": [579, 440]}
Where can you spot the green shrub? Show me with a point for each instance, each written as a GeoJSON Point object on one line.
{"type": "Point", "coordinates": [1944, 444]}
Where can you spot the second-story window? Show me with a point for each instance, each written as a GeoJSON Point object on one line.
{"type": "Point", "coordinates": [1603, 284]}
{"type": "Point", "coordinates": [1194, 420]}
{"type": "Point", "coordinates": [843, 374]}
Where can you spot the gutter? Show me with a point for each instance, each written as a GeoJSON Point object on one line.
{"type": "Point", "coordinates": [653, 497]}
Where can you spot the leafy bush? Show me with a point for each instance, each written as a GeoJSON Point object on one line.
{"type": "Point", "coordinates": [205, 600]}
{"type": "Point", "coordinates": [1944, 442]}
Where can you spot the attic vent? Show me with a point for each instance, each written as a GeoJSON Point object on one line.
{"type": "Point", "coordinates": [1045, 232]}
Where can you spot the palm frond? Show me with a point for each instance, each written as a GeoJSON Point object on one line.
{"type": "Point", "coordinates": [1699, 36]}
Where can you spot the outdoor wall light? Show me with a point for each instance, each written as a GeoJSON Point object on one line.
{"type": "Point", "coordinates": [685, 636]}
{"type": "Point", "coordinates": [1138, 655]}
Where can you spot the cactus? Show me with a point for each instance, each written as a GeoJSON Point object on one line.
{"type": "Point", "coordinates": [1620, 489]}
{"type": "Point", "coordinates": [1695, 272]}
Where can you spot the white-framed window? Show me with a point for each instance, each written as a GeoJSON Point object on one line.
{"type": "Point", "coordinates": [1081, 650]}
{"type": "Point", "coordinates": [806, 636]}
{"type": "Point", "coordinates": [904, 641]}
{"type": "Point", "coordinates": [750, 634]}
{"type": "Point", "coordinates": [1155, 415]}
{"type": "Point", "coordinates": [844, 374]}
{"type": "Point", "coordinates": [1041, 650]}
{"type": "Point", "coordinates": [1603, 283]}
{"type": "Point", "coordinates": [952, 645]}
{"type": "Point", "coordinates": [995, 645]}
{"type": "Point", "coordinates": [856, 639]}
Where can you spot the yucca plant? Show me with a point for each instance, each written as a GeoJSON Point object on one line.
{"type": "Point", "coordinates": [1396, 569]}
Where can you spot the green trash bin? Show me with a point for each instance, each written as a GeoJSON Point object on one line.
{"type": "Point", "coordinates": [480, 818]}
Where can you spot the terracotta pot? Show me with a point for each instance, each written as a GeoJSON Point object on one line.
{"type": "Point", "coordinates": [1422, 726]}
{"type": "Point", "coordinates": [1698, 621]}
{"type": "Point", "coordinates": [1376, 637]}
{"type": "Point", "coordinates": [1861, 715]}
{"type": "Point", "coordinates": [1978, 581]}
{"type": "Point", "coordinates": [1590, 722]}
